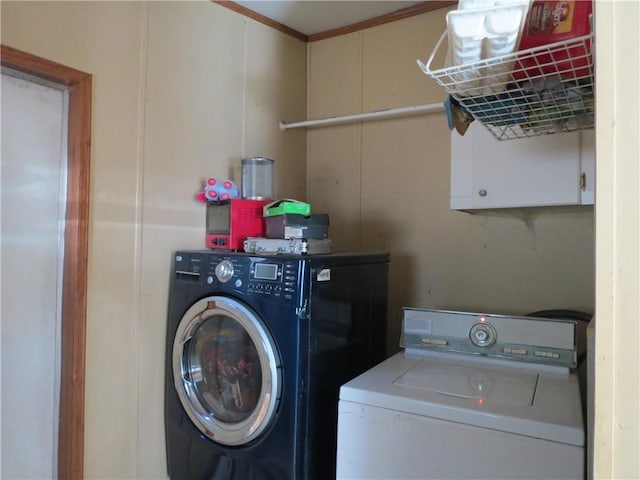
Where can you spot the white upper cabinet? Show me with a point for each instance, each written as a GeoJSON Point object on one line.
{"type": "Point", "coordinates": [549, 170]}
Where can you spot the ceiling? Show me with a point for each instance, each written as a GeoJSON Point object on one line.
{"type": "Point", "coordinates": [310, 17]}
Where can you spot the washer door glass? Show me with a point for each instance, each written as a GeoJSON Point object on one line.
{"type": "Point", "coordinates": [226, 370]}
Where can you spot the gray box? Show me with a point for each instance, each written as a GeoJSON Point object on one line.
{"type": "Point", "coordinates": [290, 225]}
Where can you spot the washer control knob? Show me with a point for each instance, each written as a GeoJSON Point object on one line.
{"type": "Point", "coordinates": [224, 271]}
{"type": "Point", "coordinates": [482, 334]}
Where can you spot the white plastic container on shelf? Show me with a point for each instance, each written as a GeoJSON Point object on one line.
{"type": "Point", "coordinates": [481, 29]}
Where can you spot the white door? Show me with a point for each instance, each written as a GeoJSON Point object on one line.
{"type": "Point", "coordinates": [34, 119]}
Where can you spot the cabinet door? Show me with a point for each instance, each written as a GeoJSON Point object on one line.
{"type": "Point", "coordinates": [528, 172]}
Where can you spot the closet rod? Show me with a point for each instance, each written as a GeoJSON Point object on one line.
{"type": "Point", "coordinates": [429, 108]}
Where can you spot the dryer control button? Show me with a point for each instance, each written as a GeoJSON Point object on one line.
{"type": "Point", "coordinates": [224, 271]}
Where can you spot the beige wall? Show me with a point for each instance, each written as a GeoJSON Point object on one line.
{"type": "Point", "coordinates": [385, 184]}
{"type": "Point", "coordinates": [181, 91]}
{"type": "Point", "coordinates": [617, 385]}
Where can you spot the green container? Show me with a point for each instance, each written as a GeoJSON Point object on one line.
{"type": "Point", "coordinates": [284, 206]}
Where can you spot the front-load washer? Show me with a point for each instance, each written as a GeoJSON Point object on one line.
{"type": "Point", "coordinates": [471, 396]}
{"type": "Point", "coordinates": [257, 348]}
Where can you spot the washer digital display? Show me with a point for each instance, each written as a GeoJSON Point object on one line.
{"type": "Point", "coordinates": [266, 271]}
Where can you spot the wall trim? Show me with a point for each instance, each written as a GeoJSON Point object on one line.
{"type": "Point", "coordinates": [261, 18]}
{"type": "Point", "coordinates": [403, 13]}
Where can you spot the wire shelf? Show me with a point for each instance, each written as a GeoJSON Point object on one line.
{"type": "Point", "coordinates": [539, 91]}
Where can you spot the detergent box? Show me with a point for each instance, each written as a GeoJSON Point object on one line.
{"type": "Point", "coordinates": [555, 24]}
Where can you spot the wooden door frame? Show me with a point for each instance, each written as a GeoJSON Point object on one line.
{"type": "Point", "coordinates": [76, 249]}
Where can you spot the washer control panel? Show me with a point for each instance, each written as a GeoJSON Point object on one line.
{"type": "Point", "coordinates": [265, 276]}
{"type": "Point", "coordinates": [529, 339]}
{"type": "Point", "coordinates": [273, 277]}
{"type": "Point", "coordinates": [224, 271]}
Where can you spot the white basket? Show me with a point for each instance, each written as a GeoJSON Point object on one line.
{"type": "Point", "coordinates": [539, 91]}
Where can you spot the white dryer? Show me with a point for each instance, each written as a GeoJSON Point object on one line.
{"type": "Point", "coordinates": [472, 396]}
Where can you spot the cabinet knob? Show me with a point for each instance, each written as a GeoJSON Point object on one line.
{"type": "Point", "coordinates": [482, 192]}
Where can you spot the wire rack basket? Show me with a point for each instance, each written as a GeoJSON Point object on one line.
{"type": "Point", "coordinates": [539, 91]}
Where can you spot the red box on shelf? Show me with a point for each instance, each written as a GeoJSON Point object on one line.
{"type": "Point", "coordinates": [553, 22]}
